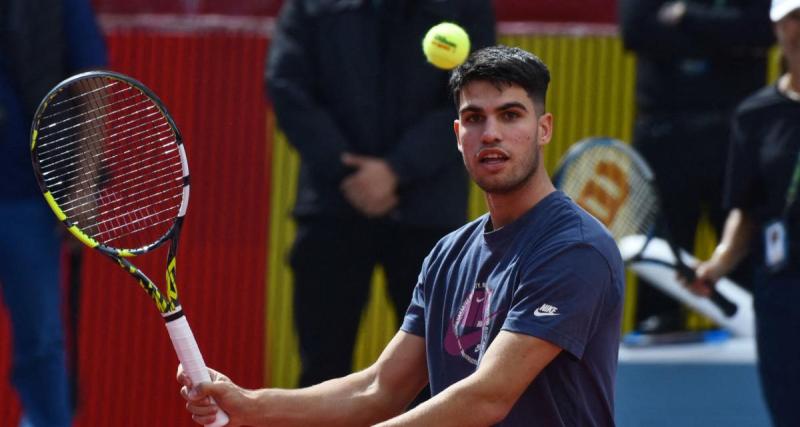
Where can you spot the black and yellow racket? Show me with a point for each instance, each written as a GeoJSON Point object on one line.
{"type": "Point", "coordinates": [112, 166]}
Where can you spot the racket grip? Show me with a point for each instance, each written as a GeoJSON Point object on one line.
{"type": "Point", "coordinates": [723, 303]}
{"type": "Point", "coordinates": [192, 361]}
{"type": "Point", "coordinates": [717, 298]}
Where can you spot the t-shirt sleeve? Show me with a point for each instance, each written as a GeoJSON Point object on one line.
{"type": "Point", "coordinates": [414, 320]}
{"type": "Point", "coordinates": [563, 299]}
{"type": "Point", "coordinates": [741, 177]}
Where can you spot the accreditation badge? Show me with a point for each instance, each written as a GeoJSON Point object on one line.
{"type": "Point", "coordinates": [776, 245]}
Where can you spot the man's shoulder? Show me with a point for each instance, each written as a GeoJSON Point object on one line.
{"type": "Point", "coordinates": [463, 234]}
{"type": "Point", "coordinates": [567, 220]}
{"type": "Point", "coordinates": [764, 99]}
{"type": "Point", "coordinates": [567, 226]}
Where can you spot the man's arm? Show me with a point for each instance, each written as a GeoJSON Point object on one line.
{"type": "Point", "coordinates": [732, 248]}
{"type": "Point", "coordinates": [484, 398]}
{"type": "Point", "coordinates": [363, 398]}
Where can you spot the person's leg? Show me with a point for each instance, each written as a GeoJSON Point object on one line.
{"type": "Point", "coordinates": [777, 326]}
{"type": "Point", "coordinates": [332, 265]}
{"type": "Point", "coordinates": [30, 275]}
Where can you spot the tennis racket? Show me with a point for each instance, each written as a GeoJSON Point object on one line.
{"type": "Point", "coordinates": [614, 183]}
{"type": "Point", "coordinates": [111, 164]}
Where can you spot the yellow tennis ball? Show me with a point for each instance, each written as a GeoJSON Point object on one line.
{"type": "Point", "coordinates": [446, 45]}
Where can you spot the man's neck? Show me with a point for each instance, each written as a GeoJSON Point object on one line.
{"type": "Point", "coordinates": [507, 207]}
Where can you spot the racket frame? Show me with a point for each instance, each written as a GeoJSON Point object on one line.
{"type": "Point", "coordinates": [168, 304]}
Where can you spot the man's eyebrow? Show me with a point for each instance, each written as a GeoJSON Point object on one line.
{"type": "Point", "coordinates": [511, 105]}
{"type": "Point", "coordinates": [470, 109]}
{"type": "Point", "coordinates": [506, 106]}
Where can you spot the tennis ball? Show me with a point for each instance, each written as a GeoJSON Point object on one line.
{"type": "Point", "coordinates": [446, 45]}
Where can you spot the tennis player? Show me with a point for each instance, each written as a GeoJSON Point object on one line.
{"type": "Point", "coordinates": [515, 317]}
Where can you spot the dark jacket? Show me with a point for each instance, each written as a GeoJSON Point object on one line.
{"type": "Point", "coordinates": [350, 76]}
{"type": "Point", "coordinates": [710, 60]}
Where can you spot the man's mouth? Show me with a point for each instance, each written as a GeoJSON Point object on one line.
{"type": "Point", "coordinates": [492, 157]}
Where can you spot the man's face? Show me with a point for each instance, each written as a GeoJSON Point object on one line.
{"type": "Point", "coordinates": [500, 136]}
{"type": "Point", "coordinates": [788, 33]}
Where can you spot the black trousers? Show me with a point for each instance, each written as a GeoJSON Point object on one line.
{"type": "Point", "coordinates": [777, 326]}
{"type": "Point", "coordinates": [333, 261]}
{"type": "Point", "coordinates": [688, 155]}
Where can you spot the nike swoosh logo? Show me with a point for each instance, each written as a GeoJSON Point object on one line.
{"type": "Point", "coordinates": [538, 313]}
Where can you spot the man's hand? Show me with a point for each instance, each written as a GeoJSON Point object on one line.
{"type": "Point", "coordinates": [371, 188]}
{"type": "Point", "coordinates": [706, 276]}
{"type": "Point", "coordinates": [234, 400]}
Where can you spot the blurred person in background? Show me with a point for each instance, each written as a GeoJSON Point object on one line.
{"type": "Point", "coordinates": [762, 182]}
{"type": "Point", "coordinates": [41, 43]}
{"type": "Point", "coordinates": [696, 60]}
{"type": "Point", "coordinates": [380, 181]}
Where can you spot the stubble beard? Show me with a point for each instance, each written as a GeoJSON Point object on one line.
{"type": "Point", "coordinates": [504, 185]}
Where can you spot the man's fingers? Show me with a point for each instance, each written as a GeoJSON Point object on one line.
{"type": "Point", "coordinates": [182, 378]}
{"type": "Point", "coordinates": [701, 287]}
{"type": "Point", "coordinates": [204, 419]}
{"type": "Point", "coordinates": [203, 405]}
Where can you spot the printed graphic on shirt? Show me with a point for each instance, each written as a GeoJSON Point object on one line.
{"type": "Point", "coordinates": [467, 332]}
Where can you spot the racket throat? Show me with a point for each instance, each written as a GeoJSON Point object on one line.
{"type": "Point", "coordinates": [173, 315]}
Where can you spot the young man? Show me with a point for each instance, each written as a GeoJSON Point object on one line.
{"type": "Point", "coordinates": [515, 318]}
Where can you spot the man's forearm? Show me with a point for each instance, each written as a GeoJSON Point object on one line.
{"type": "Point", "coordinates": [461, 405]}
{"type": "Point", "coordinates": [349, 401]}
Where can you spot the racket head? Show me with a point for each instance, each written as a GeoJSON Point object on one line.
{"type": "Point", "coordinates": [612, 182]}
{"type": "Point", "coordinates": [110, 162]}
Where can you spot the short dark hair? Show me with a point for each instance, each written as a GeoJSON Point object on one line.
{"type": "Point", "coordinates": [503, 66]}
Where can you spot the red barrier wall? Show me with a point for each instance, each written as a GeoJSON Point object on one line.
{"type": "Point", "coordinates": [595, 11]}
{"type": "Point", "coordinates": [211, 83]}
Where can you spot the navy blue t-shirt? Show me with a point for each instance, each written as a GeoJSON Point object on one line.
{"type": "Point", "coordinates": [556, 274]}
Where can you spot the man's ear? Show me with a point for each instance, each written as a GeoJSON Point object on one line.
{"type": "Point", "coordinates": [545, 129]}
{"type": "Point", "coordinates": [456, 126]}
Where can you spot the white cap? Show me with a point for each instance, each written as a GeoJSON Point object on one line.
{"type": "Point", "coordinates": [781, 8]}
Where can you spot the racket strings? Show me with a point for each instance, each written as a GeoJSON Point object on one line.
{"type": "Point", "coordinates": [83, 94]}
{"type": "Point", "coordinates": [146, 192]}
{"type": "Point", "coordinates": [60, 149]}
{"type": "Point", "coordinates": [96, 122]}
{"type": "Point", "coordinates": [138, 220]}
{"type": "Point", "coordinates": [95, 184]}
{"type": "Point", "coordinates": [609, 184]}
{"type": "Point", "coordinates": [642, 211]}
{"type": "Point", "coordinates": [110, 159]}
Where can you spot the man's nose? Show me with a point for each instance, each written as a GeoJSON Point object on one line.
{"type": "Point", "coordinates": [491, 131]}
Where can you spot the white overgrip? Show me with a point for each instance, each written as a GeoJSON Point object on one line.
{"type": "Point", "coordinates": [192, 361]}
